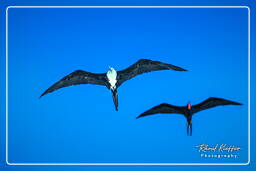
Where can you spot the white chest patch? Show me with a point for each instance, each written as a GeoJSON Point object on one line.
{"type": "Point", "coordinates": [112, 74]}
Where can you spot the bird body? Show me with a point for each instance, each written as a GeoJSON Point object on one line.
{"type": "Point", "coordinates": [189, 110]}
{"type": "Point", "coordinates": [111, 75]}
{"type": "Point", "coordinates": [112, 79]}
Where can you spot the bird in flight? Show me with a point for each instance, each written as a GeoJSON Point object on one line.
{"type": "Point", "coordinates": [112, 79]}
{"type": "Point", "coordinates": [188, 110]}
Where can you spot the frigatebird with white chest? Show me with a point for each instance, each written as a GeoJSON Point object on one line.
{"type": "Point", "coordinates": [112, 79]}
{"type": "Point", "coordinates": [189, 110]}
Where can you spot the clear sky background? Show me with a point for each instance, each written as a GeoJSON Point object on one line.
{"type": "Point", "coordinates": [79, 124]}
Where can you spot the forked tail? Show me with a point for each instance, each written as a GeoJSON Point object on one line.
{"type": "Point", "coordinates": [189, 128]}
{"type": "Point", "coordinates": [115, 98]}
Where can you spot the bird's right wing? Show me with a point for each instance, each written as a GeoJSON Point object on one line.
{"type": "Point", "coordinates": [144, 66]}
{"type": "Point", "coordinates": [76, 78]}
{"type": "Point", "coordinates": [163, 108]}
{"type": "Point", "coordinates": [212, 102]}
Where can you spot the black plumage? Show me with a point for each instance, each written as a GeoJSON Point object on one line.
{"type": "Point", "coordinates": [77, 77]}
{"type": "Point", "coordinates": [83, 77]}
{"type": "Point", "coordinates": [144, 66]}
{"type": "Point", "coordinates": [188, 110]}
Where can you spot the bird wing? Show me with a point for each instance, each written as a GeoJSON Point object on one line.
{"type": "Point", "coordinates": [76, 78]}
{"type": "Point", "coordinates": [163, 108]}
{"type": "Point", "coordinates": [143, 66]}
{"type": "Point", "coordinates": [212, 102]}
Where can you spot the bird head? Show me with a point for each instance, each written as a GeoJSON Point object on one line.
{"type": "Point", "coordinates": [110, 68]}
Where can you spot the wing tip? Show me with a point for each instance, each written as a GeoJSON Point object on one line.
{"type": "Point", "coordinates": [143, 115]}
{"type": "Point", "coordinates": [231, 102]}
{"type": "Point", "coordinates": [237, 103]}
{"type": "Point", "coordinates": [46, 92]}
{"type": "Point", "coordinates": [178, 69]}
{"type": "Point", "coordinates": [139, 117]}
{"type": "Point", "coordinates": [41, 96]}
{"type": "Point", "coordinates": [171, 68]}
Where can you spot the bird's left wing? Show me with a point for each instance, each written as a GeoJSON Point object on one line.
{"type": "Point", "coordinates": [143, 66]}
{"type": "Point", "coordinates": [212, 102]}
{"type": "Point", "coordinates": [76, 78]}
{"type": "Point", "coordinates": [163, 108]}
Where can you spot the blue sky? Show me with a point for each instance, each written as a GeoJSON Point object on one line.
{"type": "Point", "coordinates": [79, 124]}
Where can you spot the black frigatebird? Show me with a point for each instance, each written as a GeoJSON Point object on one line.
{"type": "Point", "coordinates": [188, 110]}
{"type": "Point", "coordinates": [112, 79]}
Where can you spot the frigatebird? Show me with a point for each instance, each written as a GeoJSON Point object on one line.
{"type": "Point", "coordinates": [188, 110]}
{"type": "Point", "coordinates": [112, 79]}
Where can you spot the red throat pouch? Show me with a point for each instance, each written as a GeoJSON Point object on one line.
{"type": "Point", "coordinates": [189, 106]}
